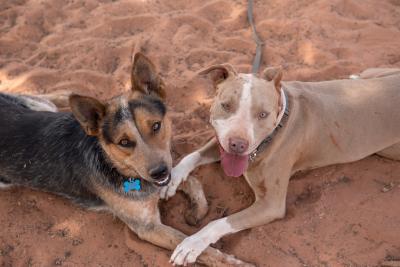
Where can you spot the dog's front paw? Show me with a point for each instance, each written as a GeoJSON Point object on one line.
{"type": "Point", "coordinates": [179, 174]}
{"type": "Point", "coordinates": [188, 251]}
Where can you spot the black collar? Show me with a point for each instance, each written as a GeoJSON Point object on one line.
{"type": "Point", "coordinates": [264, 143]}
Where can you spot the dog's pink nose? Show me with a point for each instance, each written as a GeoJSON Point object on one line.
{"type": "Point", "coordinates": [238, 145]}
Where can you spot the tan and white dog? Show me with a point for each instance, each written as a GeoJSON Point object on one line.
{"type": "Point", "coordinates": [268, 130]}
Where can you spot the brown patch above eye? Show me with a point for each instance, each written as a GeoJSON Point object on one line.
{"type": "Point", "coordinates": [122, 134]}
{"type": "Point", "coordinates": [145, 121]}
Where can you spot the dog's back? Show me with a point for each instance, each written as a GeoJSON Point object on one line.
{"type": "Point", "coordinates": [350, 119]}
{"type": "Point", "coordinates": [30, 140]}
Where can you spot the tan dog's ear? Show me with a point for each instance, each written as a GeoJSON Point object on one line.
{"type": "Point", "coordinates": [144, 77]}
{"type": "Point", "coordinates": [88, 111]}
{"type": "Point", "coordinates": [219, 73]}
{"type": "Point", "coordinates": [274, 74]}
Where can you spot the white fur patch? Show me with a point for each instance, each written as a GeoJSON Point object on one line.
{"type": "Point", "coordinates": [354, 77]}
{"type": "Point", "coordinates": [213, 231]}
{"type": "Point", "coordinates": [241, 118]}
{"type": "Point", "coordinates": [5, 186]}
{"type": "Point", "coordinates": [282, 111]}
{"type": "Point", "coordinates": [40, 105]}
{"type": "Point", "coordinates": [187, 164]}
{"type": "Point", "coordinates": [192, 246]}
{"type": "Point", "coordinates": [100, 208]}
{"type": "Point", "coordinates": [180, 173]}
{"type": "Point", "coordinates": [244, 111]}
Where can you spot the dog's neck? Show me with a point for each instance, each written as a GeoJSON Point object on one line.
{"type": "Point", "coordinates": [115, 180]}
{"type": "Point", "coordinates": [280, 122]}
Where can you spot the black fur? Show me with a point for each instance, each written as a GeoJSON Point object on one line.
{"type": "Point", "coordinates": [120, 115]}
{"type": "Point", "coordinates": [51, 152]}
{"type": "Point", "coordinates": [11, 101]}
{"type": "Point", "coordinates": [147, 102]}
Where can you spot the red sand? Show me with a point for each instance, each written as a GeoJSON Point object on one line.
{"type": "Point", "coordinates": [337, 216]}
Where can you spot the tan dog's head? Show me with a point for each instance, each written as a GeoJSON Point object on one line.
{"type": "Point", "coordinates": [245, 111]}
{"type": "Point", "coordinates": [133, 130]}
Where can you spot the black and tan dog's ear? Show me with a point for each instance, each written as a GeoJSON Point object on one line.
{"type": "Point", "coordinates": [88, 111]}
{"type": "Point", "coordinates": [144, 77]}
{"type": "Point", "coordinates": [219, 73]}
{"type": "Point", "coordinates": [274, 74]}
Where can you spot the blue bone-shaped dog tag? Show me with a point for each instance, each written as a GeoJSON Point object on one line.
{"type": "Point", "coordinates": [132, 184]}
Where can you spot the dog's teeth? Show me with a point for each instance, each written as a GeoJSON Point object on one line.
{"type": "Point", "coordinates": [163, 180]}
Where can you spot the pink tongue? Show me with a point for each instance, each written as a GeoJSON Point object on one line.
{"type": "Point", "coordinates": [233, 165]}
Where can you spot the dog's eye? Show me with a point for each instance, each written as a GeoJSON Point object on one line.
{"type": "Point", "coordinates": [126, 143]}
{"type": "Point", "coordinates": [226, 106]}
{"type": "Point", "coordinates": [262, 115]}
{"type": "Point", "coordinates": [156, 126]}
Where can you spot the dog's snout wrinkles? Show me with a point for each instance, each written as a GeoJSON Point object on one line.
{"type": "Point", "coordinates": [238, 145]}
{"type": "Point", "coordinates": [159, 172]}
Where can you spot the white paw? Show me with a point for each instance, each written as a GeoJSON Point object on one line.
{"type": "Point", "coordinates": [178, 175]}
{"type": "Point", "coordinates": [188, 251]}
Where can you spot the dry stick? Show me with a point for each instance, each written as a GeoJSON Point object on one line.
{"type": "Point", "coordinates": [259, 42]}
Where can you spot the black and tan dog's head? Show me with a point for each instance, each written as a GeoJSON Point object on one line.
{"type": "Point", "coordinates": [134, 129]}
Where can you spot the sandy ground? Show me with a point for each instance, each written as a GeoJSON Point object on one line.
{"type": "Point", "coordinates": [337, 216]}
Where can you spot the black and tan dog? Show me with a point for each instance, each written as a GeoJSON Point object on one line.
{"type": "Point", "coordinates": [113, 155]}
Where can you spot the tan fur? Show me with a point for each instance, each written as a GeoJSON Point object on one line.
{"type": "Point", "coordinates": [148, 148]}
{"type": "Point", "coordinates": [329, 123]}
{"type": "Point", "coordinates": [143, 218]}
{"type": "Point", "coordinates": [59, 98]}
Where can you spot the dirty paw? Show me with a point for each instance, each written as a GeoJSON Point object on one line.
{"type": "Point", "coordinates": [188, 251]}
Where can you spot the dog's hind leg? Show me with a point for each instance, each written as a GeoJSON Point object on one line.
{"type": "Point", "coordinates": [47, 102]}
{"type": "Point", "coordinates": [38, 103]}
{"type": "Point", "coordinates": [392, 152]}
{"type": "Point", "coordinates": [59, 98]}
{"type": "Point", "coordinates": [198, 202]}
{"type": "Point", "coordinates": [4, 184]}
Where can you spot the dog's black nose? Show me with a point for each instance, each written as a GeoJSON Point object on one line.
{"type": "Point", "coordinates": [159, 172]}
{"type": "Point", "coordinates": [238, 145]}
